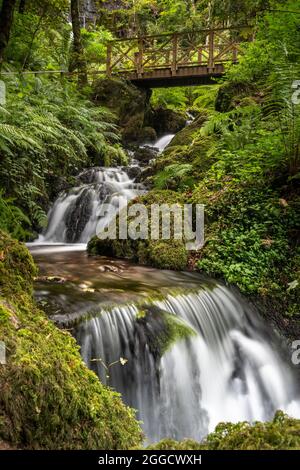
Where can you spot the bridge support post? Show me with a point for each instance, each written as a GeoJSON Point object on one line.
{"type": "Point", "coordinates": [140, 58]}
{"type": "Point", "coordinates": [174, 54]}
{"type": "Point", "coordinates": [211, 50]}
{"type": "Point", "coordinates": [108, 60]}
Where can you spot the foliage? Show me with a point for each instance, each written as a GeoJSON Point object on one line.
{"type": "Point", "coordinates": [12, 219]}
{"type": "Point", "coordinates": [173, 98]}
{"type": "Point", "coordinates": [49, 399]}
{"type": "Point", "coordinates": [282, 433]}
{"type": "Point", "coordinates": [174, 175]}
{"type": "Point", "coordinates": [48, 129]}
{"type": "Point", "coordinates": [137, 17]}
{"type": "Point", "coordinates": [94, 44]}
{"type": "Point", "coordinates": [244, 160]}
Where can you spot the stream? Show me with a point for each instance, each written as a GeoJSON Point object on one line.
{"type": "Point", "coordinates": [231, 367]}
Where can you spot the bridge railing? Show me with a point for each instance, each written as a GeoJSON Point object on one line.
{"type": "Point", "coordinates": [172, 51]}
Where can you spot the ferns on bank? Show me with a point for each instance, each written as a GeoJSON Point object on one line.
{"type": "Point", "coordinates": [47, 129]}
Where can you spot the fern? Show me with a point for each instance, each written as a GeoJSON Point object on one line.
{"type": "Point", "coordinates": [172, 174]}
{"type": "Point", "coordinates": [47, 129]}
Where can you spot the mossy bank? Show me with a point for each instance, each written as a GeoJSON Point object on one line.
{"type": "Point", "coordinates": [48, 397]}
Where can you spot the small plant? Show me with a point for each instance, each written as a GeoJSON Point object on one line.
{"type": "Point", "coordinates": [107, 367]}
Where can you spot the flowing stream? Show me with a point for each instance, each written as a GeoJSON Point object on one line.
{"type": "Point", "coordinates": [230, 367]}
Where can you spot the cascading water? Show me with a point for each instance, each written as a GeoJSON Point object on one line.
{"type": "Point", "coordinates": [162, 142]}
{"type": "Point", "coordinates": [76, 213]}
{"type": "Point", "coordinates": [229, 370]}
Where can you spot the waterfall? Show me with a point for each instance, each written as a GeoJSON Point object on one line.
{"type": "Point", "coordinates": [232, 369]}
{"type": "Point", "coordinates": [76, 213]}
{"type": "Point", "coordinates": [162, 142]}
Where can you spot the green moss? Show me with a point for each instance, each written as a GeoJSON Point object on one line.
{"type": "Point", "coordinates": [163, 254]}
{"type": "Point", "coordinates": [186, 135]}
{"type": "Point", "coordinates": [176, 330]}
{"type": "Point", "coordinates": [48, 398]}
{"type": "Point", "coordinates": [162, 329]}
{"type": "Point", "coordinates": [282, 433]}
{"type": "Point", "coordinates": [230, 95]}
{"type": "Point", "coordinates": [128, 102]}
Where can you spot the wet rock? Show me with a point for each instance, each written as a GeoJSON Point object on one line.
{"type": "Point", "coordinates": [52, 279]}
{"type": "Point", "coordinates": [77, 216]}
{"type": "Point", "coordinates": [133, 172]}
{"type": "Point", "coordinates": [166, 121]}
{"type": "Point", "coordinates": [128, 102]}
{"type": "Point", "coordinates": [109, 268]}
{"type": "Point", "coordinates": [145, 154]}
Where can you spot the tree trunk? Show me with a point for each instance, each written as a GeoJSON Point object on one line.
{"type": "Point", "coordinates": [22, 6]}
{"type": "Point", "coordinates": [78, 61]}
{"type": "Point", "coordinates": [6, 20]}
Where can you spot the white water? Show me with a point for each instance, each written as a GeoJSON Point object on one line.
{"type": "Point", "coordinates": [162, 142]}
{"type": "Point", "coordinates": [230, 370]}
{"type": "Point", "coordinates": [75, 214]}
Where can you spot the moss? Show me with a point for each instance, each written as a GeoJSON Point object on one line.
{"type": "Point", "coordinates": [161, 329]}
{"type": "Point", "coordinates": [282, 433]}
{"type": "Point", "coordinates": [230, 95]}
{"type": "Point", "coordinates": [176, 330]}
{"type": "Point", "coordinates": [163, 254]}
{"type": "Point", "coordinates": [48, 398]}
{"type": "Point", "coordinates": [165, 121]}
{"type": "Point", "coordinates": [185, 136]}
{"type": "Point", "coordinates": [128, 102]}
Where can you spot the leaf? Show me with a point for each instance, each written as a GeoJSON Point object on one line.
{"type": "Point", "coordinates": [292, 285]}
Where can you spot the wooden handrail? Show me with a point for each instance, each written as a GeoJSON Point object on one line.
{"type": "Point", "coordinates": [205, 31]}
{"type": "Point", "coordinates": [179, 49]}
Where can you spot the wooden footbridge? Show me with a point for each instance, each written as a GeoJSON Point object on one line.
{"type": "Point", "coordinates": [164, 60]}
{"type": "Point", "coordinates": [177, 59]}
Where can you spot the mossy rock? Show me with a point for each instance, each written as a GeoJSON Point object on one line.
{"type": "Point", "coordinates": [162, 254]}
{"type": "Point", "coordinates": [185, 136]}
{"type": "Point", "coordinates": [165, 121]}
{"type": "Point", "coordinates": [161, 329]}
{"type": "Point", "coordinates": [48, 398]}
{"type": "Point", "coordinates": [128, 102]}
{"type": "Point", "coordinates": [230, 95]}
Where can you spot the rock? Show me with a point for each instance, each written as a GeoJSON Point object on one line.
{"type": "Point", "coordinates": [131, 105]}
{"type": "Point", "coordinates": [185, 136]}
{"type": "Point", "coordinates": [166, 121]}
{"type": "Point", "coordinates": [230, 95]}
{"type": "Point", "coordinates": [148, 134]}
{"type": "Point", "coordinates": [145, 154]}
{"type": "Point", "coordinates": [133, 172]}
{"type": "Point", "coordinates": [54, 279]}
{"type": "Point", "coordinates": [128, 102]}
